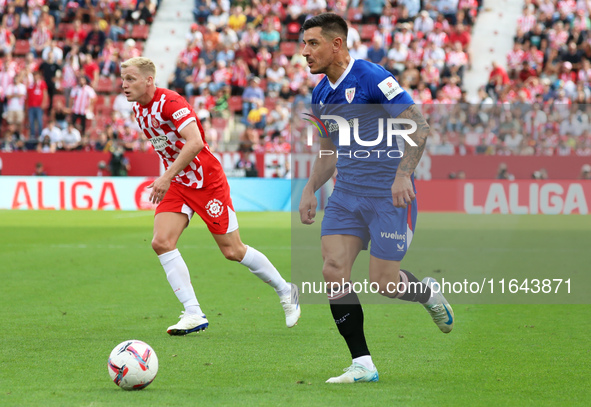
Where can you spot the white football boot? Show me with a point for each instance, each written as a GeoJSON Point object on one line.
{"type": "Point", "coordinates": [356, 373]}
{"type": "Point", "coordinates": [188, 323]}
{"type": "Point", "coordinates": [291, 306]}
{"type": "Point", "coordinates": [438, 307]}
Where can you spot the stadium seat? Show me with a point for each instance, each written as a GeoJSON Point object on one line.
{"type": "Point", "coordinates": [354, 15]}
{"type": "Point", "coordinates": [367, 32]}
{"type": "Point", "coordinates": [105, 85]}
{"type": "Point", "coordinates": [235, 103]}
{"type": "Point", "coordinates": [220, 124]}
{"type": "Point", "coordinates": [292, 31]}
{"type": "Point", "coordinates": [21, 47]}
{"type": "Point", "coordinates": [140, 32]}
{"type": "Point", "coordinates": [288, 48]}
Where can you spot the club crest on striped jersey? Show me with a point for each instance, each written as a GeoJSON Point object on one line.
{"type": "Point", "coordinates": [350, 94]}
{"type": "Point", "coordinates": [154, 123]}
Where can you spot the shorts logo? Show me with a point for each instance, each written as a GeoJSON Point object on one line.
{"type": "Point", "coordinates": [214, 208]}
{"type": "Point", "coordinates": [400, 247]}
{"type": "Point", "coordinates": [179, 114]}
{"type": "Point", "coordinates": [154, 123]}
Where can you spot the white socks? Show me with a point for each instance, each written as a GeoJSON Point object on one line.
{"type": "Point", "coordinates": [365, 361]}
{"type": "Point", "coordinates": [179, 279]}
{"type": "Point", "coordinates": [260, 266]}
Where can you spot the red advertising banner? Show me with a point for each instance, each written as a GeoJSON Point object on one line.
{"type": "Point", "coordinates": [507, 197]}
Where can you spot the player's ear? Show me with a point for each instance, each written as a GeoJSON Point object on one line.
{"type": "Point", "coordinates": [337, 44]}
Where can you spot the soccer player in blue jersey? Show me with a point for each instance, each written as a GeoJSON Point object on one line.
{"type": "Point", "coordinates": [374, 194]}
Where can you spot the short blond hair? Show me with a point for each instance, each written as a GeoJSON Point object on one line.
{"type": "Point", "coordinates": [145, 65]}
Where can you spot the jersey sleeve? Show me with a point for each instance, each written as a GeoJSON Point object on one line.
{"type": "Point", "coordinates": [383, 89]}
{"type": "Point", "coordinates": [179, 112]}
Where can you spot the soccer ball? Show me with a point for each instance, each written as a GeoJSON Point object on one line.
{"type": "Point", "coordinates": [133, 365]}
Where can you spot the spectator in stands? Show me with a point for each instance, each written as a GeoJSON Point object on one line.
{"type": "Point", "coordinates": [372, 11]}
{"type": "Point", "coordinates": [11, 19]}
{"type": "Point", "coordinates": [211, 135]}
{"type": "Point", "coordinates": [28, 21]}
{"type": "Point", "coordinates": [83, 99]}
{"type": "Point", "coordinates": [195, 37]}
{"type": "Point", "coordinates": [228, 38]}
{"type": "Point", "coordinates": [117, 30]}
{"type": "Point", "coordinates": [16, 94]}
{"type": "Point", "coordinates": [12, 139]}
{"type": "Point", "coordinates": [71, 138]}
{"type": "Point", "coordinates": [7, 39]}
{"type": "Point", "coordinates": [51, 137]}
{"type": "Point", "coordinates": [39, 170]}
{"type": "Point", "coordinates": [46, 146]}
{"type": "Point", "coordinates": [55, 8]}
{"type": "Point", "coordinates": [60, 114]}
{"type": "Point", "coordinates": [122, 106]}
{"type": "Point", "coordinates": [377, 54]}
{"type": "Point", "coordinates": [270, 38]}
{"type": "Point", "coordinates": [49, 71]}
{"type": "Point", "coordinates": [275, 75]}
{"type": "Point", "coordinates": [37, 97]}
{"type": "Point", "coordinates": [253, 95]}
{"type": "Point", "coordinates": [246, 163]}
{"type": "Point", "coordinates": [181, 77]}
{"type": "Point", "coordinates": [119, 164]}
{"type": "Point", "coordinates": [94, 40]}
{"type": "Point", "coordinates": [358, 50]}
{"type": "Point", "coordinates": [53, 48]}
{"type": "Point", "coordinates": [218, 18]}
{"type": "Point", "coordinates": [144, 14]}
{"type": "Point", "coordinates": [90, 69]}
{"type": "Point", "coordinates": [585, 172]}
{"type": "Point", "coordinates": [40, 39]}
{"type": "Point", "coordinates": [257, 116]}
{"type": "Point", "coordinates": [221, 106]}
{"type": "Point", "coordinates": [423, 23]}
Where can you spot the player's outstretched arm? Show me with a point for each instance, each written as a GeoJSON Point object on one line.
{"type": "Point", "coordinates": [402, 189]}
{"type": "Point", "coordinates": [193, 145]}
{"type": "Point", "coordinates": [323, 169]}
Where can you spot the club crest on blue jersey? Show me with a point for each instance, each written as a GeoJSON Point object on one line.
{"type": "Point", "coordinates": [350, 94]}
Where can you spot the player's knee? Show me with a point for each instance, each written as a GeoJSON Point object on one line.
{"type": "Point", "coordinates": [333, 269]}
{"type": "Point", "coordinates": [231, 253]}
{"type": "Point", "coordinates": [161, 246]}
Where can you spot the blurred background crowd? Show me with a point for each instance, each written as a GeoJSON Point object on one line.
{"type": "Point", "coordinates": [242, 71]}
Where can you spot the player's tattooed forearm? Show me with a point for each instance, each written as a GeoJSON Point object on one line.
{"type": "Point", "coordinates": [412, 155]}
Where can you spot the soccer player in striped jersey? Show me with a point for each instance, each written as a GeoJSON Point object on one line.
{"type": "Point", "coordinates": [374, 195]}
{"type": "Point", "coordinates": [193, 182]}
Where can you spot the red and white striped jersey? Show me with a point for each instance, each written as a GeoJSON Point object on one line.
{"type": "Point", "coordinates": [162, 120]}
{"type": "Point", "coordinates": [515, 58]}
{"type": "Point", "coordinates": [526, 22]}
{"type": "Point", "coordinates": [81, 97]}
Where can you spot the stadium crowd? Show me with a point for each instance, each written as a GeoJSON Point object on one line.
{"type": "Point", "coordinates": [241, 70]}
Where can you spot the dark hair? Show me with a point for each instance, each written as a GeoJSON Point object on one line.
{"type": "Point", "coordinates": [332, 25]}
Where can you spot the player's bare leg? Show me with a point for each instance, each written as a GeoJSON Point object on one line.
{"type": "Point", "coordinates": [233, 249]}
{"type": "Point", "coordinates": [388, 275]}
{"type": "Point", "coordinates": [168, 227]}
{"type": "Point", "coordinates": [339, 253]}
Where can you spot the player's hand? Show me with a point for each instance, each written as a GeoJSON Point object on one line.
{"type": "Point", "coordinates": [308, 205]}
{"type": "Point", "coordinates": [402, 191]}
{"type": "Point", "coordinates": [159, 188]}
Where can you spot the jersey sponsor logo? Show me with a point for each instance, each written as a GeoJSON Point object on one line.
{"type": "Point", "coordinates": [159, 142]}
{"type": "Point", "coordinates": [214, 208]}
{"type": "Point", "coordinates": [179, 114]}
{"type": "Point", "coordinates": [390, 87]}
{"type": "Point", "coordinates": [350, 94]}
{"type": "Point", "coordinates": [154, 122]}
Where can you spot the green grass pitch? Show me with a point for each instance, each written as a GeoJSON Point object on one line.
{"type": "Point", "coordinates": [75, 284]}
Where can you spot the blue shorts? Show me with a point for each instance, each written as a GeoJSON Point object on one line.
{"type": "Point", "coordinates": [376, 219]}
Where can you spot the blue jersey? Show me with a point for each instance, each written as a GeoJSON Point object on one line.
{"type": "Point", "coordinates": [366, 95]}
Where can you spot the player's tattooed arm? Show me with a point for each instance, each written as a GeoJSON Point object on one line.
{"type": "Point", "coordinates": [412, 155]}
